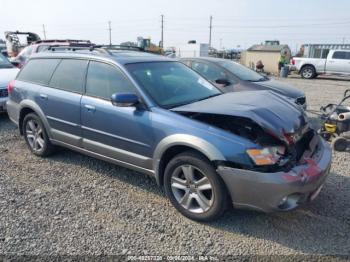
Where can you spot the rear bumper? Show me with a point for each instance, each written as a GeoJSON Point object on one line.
{"type": "Point", "coordinates": [280, 191]}
{"type": "Point", "coordinates": [3, 104]}
{"type": "Point", "coordinates": [13, 111]}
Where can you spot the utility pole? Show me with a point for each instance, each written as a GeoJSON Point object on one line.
{"type": "Point", "coordinates": [210, 27]}
{"type": "Point", "coordinates": [44, 31]}
{"type": "Point", "coordinates": [162, 35]}
{"type": "Point", "coordinates": [110, 32]}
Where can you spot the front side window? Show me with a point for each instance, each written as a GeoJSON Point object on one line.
{"type": "Point", "coordinates": [69, 75]}
{"type": "Point", "coordinates": [25, 53]}
{"type": "Point", "coordinates": [38, 71]}
{"type": "Point", "coordinates": [339, 55]}
{"type": "Point", "coordinates": [210, 72]}
{"type": "Point", "coordinates": [171, 84]}
{"type": "Point", "coordinates": [104, 80]}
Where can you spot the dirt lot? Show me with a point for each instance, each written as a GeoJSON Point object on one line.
{"type": "Point", "coordinates": [73, 204]}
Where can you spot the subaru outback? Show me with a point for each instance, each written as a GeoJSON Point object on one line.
{"type": "Point", "coordinates": [209, 150]}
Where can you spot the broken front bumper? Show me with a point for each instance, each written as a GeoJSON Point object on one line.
{"type": "Point", "coordinates": [269, 192]}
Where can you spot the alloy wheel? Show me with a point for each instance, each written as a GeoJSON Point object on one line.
{"type": "Point", "coordinates": [307, 73]}
{"type": "Point", "coordinates": [192, 189]}
{"type": "Point", "coordinates": [35, 135]}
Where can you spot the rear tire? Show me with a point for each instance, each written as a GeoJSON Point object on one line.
{"type": "Point", "coordinates": [36, 136]}
{"type": "Point", "coordinates": [308, 72]}
{"type": "Point", "coordinates": [194, 188]}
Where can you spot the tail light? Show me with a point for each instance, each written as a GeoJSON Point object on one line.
{"type": "Point", "coordinates": [293, 61]}
{"type": "Point", "coordinates": [10, 87]}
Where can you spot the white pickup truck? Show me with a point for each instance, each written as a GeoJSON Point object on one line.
{"type": "Point", "coordinates": [336, 63]}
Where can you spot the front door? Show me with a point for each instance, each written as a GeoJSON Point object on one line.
{"type": "Point", "coordinates": [122, 133]}
{"type": "Point", "coordinates": [338, 64]}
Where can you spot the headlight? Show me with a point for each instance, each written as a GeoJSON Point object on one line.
{"type": "Point", "coordinates": [266, 156]}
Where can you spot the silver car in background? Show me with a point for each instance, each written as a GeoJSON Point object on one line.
{"type": "Point", "coordinates": [8, 72]}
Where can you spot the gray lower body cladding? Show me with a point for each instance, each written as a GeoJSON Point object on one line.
{"type": "Point", "coordinates": [280, 191]}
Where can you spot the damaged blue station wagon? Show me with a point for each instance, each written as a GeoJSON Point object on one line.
{"type": "Point", "coordinates": [157, 116]}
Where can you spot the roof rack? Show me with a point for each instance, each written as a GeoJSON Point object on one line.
{"type": "Point", "coordinates": [72, 47]}
{"type": "Point", "coordinates": [122, 47]}
{"type": "Point", "coordinates": [63, 41]}
{"type": "Point", "coordinates": [107, 49]}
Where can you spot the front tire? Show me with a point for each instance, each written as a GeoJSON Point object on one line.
{"type": "Point", "coordinates": [35, 136]}
{"type": "Point", "coordinates": [194, 188]}
{"type": "Point", "coordinates": [308, 72]}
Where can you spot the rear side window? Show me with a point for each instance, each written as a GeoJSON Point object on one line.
{"type": "Point", "coordinates": [69, 75]}
{"type": "Point", "coordinates": [339, 55]}
{"type": "Point", "coordinates": [104, 80]}
{"type": "Point", "coordinates": [38, 71]}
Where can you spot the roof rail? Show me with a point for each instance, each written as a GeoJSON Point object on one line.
{"type": "Point", "coordinates": [72, 47]}
{"type": "Point", "coordinates": [121, 47]}
{"type": "Point", "coordinates": [106, 49]}
{"type": "Point", "coordinates": [62, 41]}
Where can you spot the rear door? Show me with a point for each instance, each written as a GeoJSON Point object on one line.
{"type": "Point", "coordinates": [337, 63]}
{"type": "Point", "coordinates": [122, 133]}
{"type": "Point", "coordinates": [60, 100]}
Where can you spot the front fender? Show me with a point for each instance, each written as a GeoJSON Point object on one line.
{"type": "Point", "coordinates": [206, 148]}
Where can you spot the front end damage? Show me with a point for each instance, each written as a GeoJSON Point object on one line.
{"type": "Point", "coordinates": [287, 167]}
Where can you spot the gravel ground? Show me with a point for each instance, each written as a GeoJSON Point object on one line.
{"type": "Point", "coordinates": [77, 205]}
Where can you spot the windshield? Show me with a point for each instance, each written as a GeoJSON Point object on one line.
{"type": "Point", "coordinates": [171, 84]}
{"type": "Point", "coordinates": [4, 62]}
{"type": "Point", "coordinates": [242, 72]}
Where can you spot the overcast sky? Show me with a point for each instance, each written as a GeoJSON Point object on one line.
{"type": "Point", "coordinates": [235, 22]}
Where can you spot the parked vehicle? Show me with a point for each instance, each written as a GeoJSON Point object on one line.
{"type": "Point", "coordinates": [336, 62]}
{"type": "Point", "coordinates": [44, 45]}
{"type": "Point", "coordinates": [157, 116]}
{"type": "Point", "coordinates": [15, 42]}
{"type": "Point", "coordinates": [7, 73]}
{"type": "Point", "coordinates": [230, 76]}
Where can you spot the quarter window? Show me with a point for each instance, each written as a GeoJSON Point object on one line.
{"type": "Point", "coordinates": [38, 71]}
{"type": "Point", "coordinates": [69, 75]}
{"type": "Point", "coordinates": [104, 80]}
{"type": "Point", "coordinates": [339, 55]}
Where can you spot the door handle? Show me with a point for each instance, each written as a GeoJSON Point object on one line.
{"type": "Point", "coordinates": [90, 108]}
{"type": "Point", "coordinates": [43, 96]}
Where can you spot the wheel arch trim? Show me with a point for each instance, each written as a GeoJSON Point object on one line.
{"type": "Point", "coordinates": [196, 143]}
{"type": "Point", "coordinates": [33, 106]}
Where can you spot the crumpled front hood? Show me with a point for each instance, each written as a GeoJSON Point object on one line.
{"type": "Point", "coordinates": [7, 75]}
{"type": "Point", "coordinates": [281, 88]}
{"type": "Point", "coordinates": [271, 111]}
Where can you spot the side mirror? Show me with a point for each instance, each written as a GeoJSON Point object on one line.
{"type": "Point", "coordinates": [124, 99]}
{"type": "Point", "coordinates": [223, 82]}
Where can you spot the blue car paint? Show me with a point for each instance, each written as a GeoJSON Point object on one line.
{"type": "Point", "coordinates": [141, 136]}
